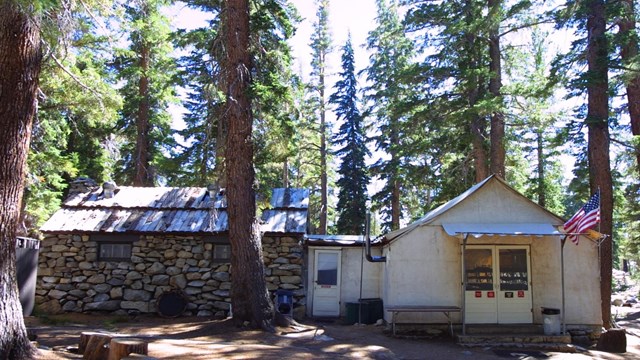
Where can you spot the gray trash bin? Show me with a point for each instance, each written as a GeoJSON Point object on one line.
{"type": "Point", "coordinates": [26, 270]}
{"type": "Point", "coordinates": [551, 321]}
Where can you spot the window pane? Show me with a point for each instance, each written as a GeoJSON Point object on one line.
{"type": "Point", "coordinates": [221, 252]}
{"type": "Point", "coordinates": [115, 251]}
{"type": "Point", "coordinates": [479, 269]}
{"type": "Point", "coordinates": [513, 269]}
{"type": "Point", "coordinates": [327, 272]}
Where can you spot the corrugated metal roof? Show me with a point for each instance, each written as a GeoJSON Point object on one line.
{"type": "Point", "coordinates": [168, 210]}
{"type": "Point", "coordinates": [284, 221]}
{"type": "Point", "coordinates": [290, 198]}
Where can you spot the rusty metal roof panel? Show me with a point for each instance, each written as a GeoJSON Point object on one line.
{"type": "Point", "coordinates": [173, 210]}
{"type": "Point", "coordinates": [150, 197]}
{"type": "Point", "coordinates": [290, 198]}
{"type": "Point", "coordinates": [284, 221]}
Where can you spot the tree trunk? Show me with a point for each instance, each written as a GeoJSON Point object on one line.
{"type": "Point", "coordinates": [598, 146]}
{"type": "Point", "coordinates": [497, 151]}
{"type": "Point", "coordinates": [628, 52]}
{"type": "Point", "coordinates": [395, 178]}
{"type": "Point", "coordinates": [249, 296]}
{"type": "Point", "coordinates": [143, 174]}
{"type": "Point", "coordinates": [477, 145]}
{"type": "Point", "coordinates": [20, 62]}
{"type": "Point", "coordinates": [122, 347]}
{"type": "Point", "coordinates": [542, 193]}
{"type": "Point", "coordinates": [324, 197]}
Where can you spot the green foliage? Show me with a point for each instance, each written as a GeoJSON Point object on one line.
{"type": "Point", "coordinates": [352, 198]}
{"type": "Point", "coordinates": [145, 123]}
{"type": "Point", "coordinates": [71, 135]}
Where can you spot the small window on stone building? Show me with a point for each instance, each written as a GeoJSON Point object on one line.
{"type": "Point", "coordinates": [221, 253]}
{"type": "Point", "coordinates": [114, 251]}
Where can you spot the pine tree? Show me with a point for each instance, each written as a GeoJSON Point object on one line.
{"type": "Point", "coordinates": [21, 60]}
{"type": "Point", "coordinates": [321, 46]}
{"type": "Point", "coordinates": [590, 18]}
{"type": "Point", "coordinates": [149, 75]}
{"type": "Point", "coordinates": [391, 54]}
{"type": "Point", "coordinates": [352, 198]}
{"type": "Point", "coordinates": [249, 296]}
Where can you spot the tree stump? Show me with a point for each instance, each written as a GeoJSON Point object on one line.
{"type": "Point", "coordinates": [122, 347]}
{"type": "Point", "coordinates": [613, 340]}
{"type": "Point", "coordinates": [94, 345]}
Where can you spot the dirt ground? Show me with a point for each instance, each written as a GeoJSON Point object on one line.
{"type": "Point", "coordinates": [201, 338]}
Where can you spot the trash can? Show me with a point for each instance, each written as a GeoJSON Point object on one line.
{"type": "Point", "coordinates": [353, 313]}
{"type": "Point", "coordinates": [372, 310]}
{"type": "Point", "coordinates": [27, 270]}
{"type": "Point", "coordinates": [551, 321]}
{"type": "Point", "coordinates": [284, 302]}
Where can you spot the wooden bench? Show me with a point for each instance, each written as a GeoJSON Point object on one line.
{"type": "Point", "coordinates": [446, 310]}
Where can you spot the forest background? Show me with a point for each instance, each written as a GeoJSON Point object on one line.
{"type": "Point", "coordinates": [407, 129]}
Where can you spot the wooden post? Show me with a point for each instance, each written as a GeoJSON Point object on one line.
{"type": "Point", "coordinates": [122, 347]}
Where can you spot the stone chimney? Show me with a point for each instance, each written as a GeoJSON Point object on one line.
{"type": "Point", "coordinates": [109, 189]}
{"type": "Point", "coordinates": [81, 185]}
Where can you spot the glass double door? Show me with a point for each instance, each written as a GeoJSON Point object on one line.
{"type": "Point", "coordinates": [498, 285]}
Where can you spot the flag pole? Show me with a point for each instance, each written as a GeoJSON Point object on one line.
{"type": "Point", "coordinates": [562, 316]}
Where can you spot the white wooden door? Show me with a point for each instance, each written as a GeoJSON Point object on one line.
{"type": "Point", "coordinates": [498, 289]}
{"type": "Point", "coordinates": [514, 292]}
{"type": "Point", "coordinates": [326, 283]}
{"type": "Point", "coordinates": [481, 306]}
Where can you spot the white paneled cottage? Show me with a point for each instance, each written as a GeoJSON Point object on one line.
{"type": "Point", "coordinates": [489, 256]}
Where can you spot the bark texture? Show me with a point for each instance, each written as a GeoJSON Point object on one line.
{"type": "Point", "coordinates": [497, 151]}
{"type": "Point", "coordinates": [143, 172]}
{"type": "Point", "coordinates": [249, 296]}
{"type": "Point", "coordinates": [598, 145]}
{"type": "Point", "coordinates": [20, 61]}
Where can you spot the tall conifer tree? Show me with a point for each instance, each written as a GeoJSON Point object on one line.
{"type": "Point", "coordinates": [352, 198]}
{"type": "Point", "coordinates": [391, 55]}
{"type": "Point", "coordinates": [321, 47]}
{"type": "Point", "coordinates": [149, 74]}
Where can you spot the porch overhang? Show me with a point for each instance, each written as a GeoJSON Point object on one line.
{"type": "Point", "coordinates": [497, 229]}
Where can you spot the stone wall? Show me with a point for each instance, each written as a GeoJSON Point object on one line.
{"type": "Point", "coordinates": [70, 279]}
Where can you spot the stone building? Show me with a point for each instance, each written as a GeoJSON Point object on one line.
{"type": "Point", "coordinates": [119, 250]}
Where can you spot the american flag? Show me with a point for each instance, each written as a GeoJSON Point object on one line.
{"type": "Point", "coordinates": [586, 218]}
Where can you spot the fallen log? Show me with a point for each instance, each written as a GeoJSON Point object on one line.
{"type": "Point", "coordinates": [122, 347]}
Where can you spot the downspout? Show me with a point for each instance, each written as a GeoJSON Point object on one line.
{"type": "Point", "coordinates": [367, 242]}
{"type": "Point", "coordinates": [562, 315]}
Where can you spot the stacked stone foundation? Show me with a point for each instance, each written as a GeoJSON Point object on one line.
{"type": "Point", "coordinates": [71, 279]}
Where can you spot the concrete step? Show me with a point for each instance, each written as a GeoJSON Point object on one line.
{"type": "Point", "coordinates": [504, 329]}
{"type": "Point", "coordinates": [512, 338]}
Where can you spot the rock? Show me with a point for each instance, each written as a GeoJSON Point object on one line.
{"type": "Point", "coordinates": [96, 279]}
{"type": "Point", "coordinates": [178, 281]}
{"type": "Point", "coordinates": [109, 305]}
{"type": "Point", "coordinates": [156, 268]}
{"type": "Point", "coordinates": [160, 279]}
{"type": "Point", "coordinates": [101, 297]}
{"type": "Point", "coordinates": [133, 275]}
{"type": "Point", "coordinates": [50, 307]}
{"type": "Point", "coordinates": [102, 288]}
{"type": "Point", "coordinates": [57, 294]}
{"type": "Point", "coordinates": [141, 306]}
{"type": "Point", "coordinates": [204, 313]}
{"type": "Point", "coordinates": [136, 295]}
{"type": "Point", "coordinates": [69, 306]}
{"type": "Point", "coordinates": [295, 279]}
{"type": "Point", "coordinates": [221, 276]}
{"type": "Point", "coordinates": [172, 270]}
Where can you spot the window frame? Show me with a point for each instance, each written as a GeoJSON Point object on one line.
{"type": "Point", "coordinates": [114, 239]}
{"type": "Point", "coordinates": [219, 240]}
